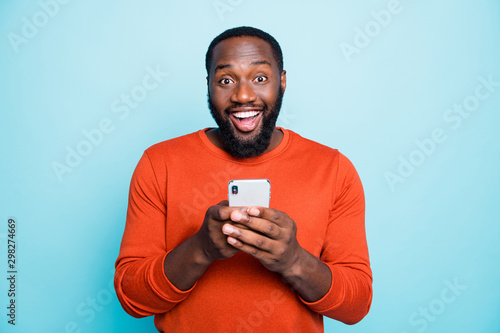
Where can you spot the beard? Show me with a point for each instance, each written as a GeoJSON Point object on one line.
{"type": "Point", "coordinates": [255, 146]}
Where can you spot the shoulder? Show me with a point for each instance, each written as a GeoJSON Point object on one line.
{"type": "Point", "coordinates": [308, 147]}
{"type": "Point", "coordinates": [319, 152]}
{"type": "Point", "coordinates": [182, 143]}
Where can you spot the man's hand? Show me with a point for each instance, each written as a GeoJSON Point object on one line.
{"type": "Point", "coordinates": [212, 241]}
{"type": "Point", "coordinates": [270, 237]}
{"type": "Point", "coordinates": [185, 264]}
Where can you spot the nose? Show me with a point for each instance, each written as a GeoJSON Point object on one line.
{"type": "Point", "coordinates": [243, 93]}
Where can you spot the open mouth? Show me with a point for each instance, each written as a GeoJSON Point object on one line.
{"type": "Point", "coordinates": [245, 121]}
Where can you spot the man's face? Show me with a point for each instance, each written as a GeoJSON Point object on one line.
{"type": "Point", "coordinates": [245, 90]}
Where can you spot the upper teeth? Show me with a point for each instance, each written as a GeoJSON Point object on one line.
{"type": "Point", "coordinates": [245, 114]}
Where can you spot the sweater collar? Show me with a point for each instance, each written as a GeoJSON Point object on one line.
{"type": "Point", "coordinates": [257, 159]}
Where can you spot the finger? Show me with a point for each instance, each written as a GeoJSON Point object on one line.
{"type": "Point", "coordinates": [264, 257]}
{"type": "Point", "coordinates": [220, 212]}
{"type": "Point", "coordinates": [223, 203]}
{"type": "Point", "coordinates": [275, 216]}
{"type": "Point", "coordinates": [253, 251]}
{"type": "Point", "coordinates": [260, 225]}
{"type": "Point", "coordinates": [248, 237]}
{"type": "Point", "coordinates": [239, 215]}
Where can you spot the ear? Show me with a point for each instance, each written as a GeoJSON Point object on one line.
{"type": "Point", "coordinates": [283, 81]}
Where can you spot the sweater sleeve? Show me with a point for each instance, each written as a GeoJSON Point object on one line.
{"type": "Point", "coordinates": [345, 251]}
{"type": "Point", "coordinates": [140, 281]}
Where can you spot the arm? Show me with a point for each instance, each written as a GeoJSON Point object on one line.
{"type": "Point", "coordinates": [140, 281]}
{"type": "Point", "coordinates": [271, 237]}
{"type": "Point", "coordinates": [148, 280]}
{"type": "Point", "coordinates": [345, 251]}
{"type": "Point", "coordinates": [338, 284]}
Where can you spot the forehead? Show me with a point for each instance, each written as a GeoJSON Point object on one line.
{"type": "Point", "coordinates": [240, 51]}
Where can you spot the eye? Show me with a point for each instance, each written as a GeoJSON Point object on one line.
{"type": "Point", "coordinates": [225, 81]}
{"type": "Point", "coordinates": [261, 79]}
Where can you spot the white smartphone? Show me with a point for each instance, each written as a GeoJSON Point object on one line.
{"type": "Point", "coordinates": [249, 192]}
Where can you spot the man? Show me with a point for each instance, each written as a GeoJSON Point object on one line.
{"type": "Point", "coordinates": [199, 266]}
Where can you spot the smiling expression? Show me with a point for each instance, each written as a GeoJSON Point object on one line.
{"type": "Point", "coordinates": [245, 90]}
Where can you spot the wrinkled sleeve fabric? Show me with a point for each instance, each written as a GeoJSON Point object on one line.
{"type": "Point", "coordinates": [345, 251]}
{"type": "Point", "coordinates": [140, 281]}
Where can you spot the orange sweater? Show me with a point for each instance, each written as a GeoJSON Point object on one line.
{"type": "Point", "coordinates": [173, 185]}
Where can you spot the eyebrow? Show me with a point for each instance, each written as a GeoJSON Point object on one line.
{"type": "Point", "coordinates": [261, 62]}
{"type": "Point", "coordinates": [255, 63]}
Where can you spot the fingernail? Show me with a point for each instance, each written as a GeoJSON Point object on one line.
{"type": "Point", "coordinates": [253, 211]}
{"type": "Point", "coordinates": [236, 216]}
{"type": "Point", "coordinates": [227, 229]}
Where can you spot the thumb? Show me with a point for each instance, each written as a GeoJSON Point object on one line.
{"type": "Point", "coordinates": [223, 203]}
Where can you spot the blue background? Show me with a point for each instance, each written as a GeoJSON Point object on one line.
{"type": "Point", "coordinates": [436, 225]}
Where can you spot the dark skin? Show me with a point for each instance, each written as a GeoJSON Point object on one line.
{"type": "Point", "coordinates": [244, 72]}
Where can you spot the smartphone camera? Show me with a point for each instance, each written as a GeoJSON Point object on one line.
{"type": "Point", "coordinates": [234, 189]}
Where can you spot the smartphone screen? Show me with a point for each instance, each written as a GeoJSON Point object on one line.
{"type": "Point", "coordinates": [249, 192]}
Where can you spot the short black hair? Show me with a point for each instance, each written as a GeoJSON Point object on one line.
{"type": "Point", "coordinates": [245, 32]}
